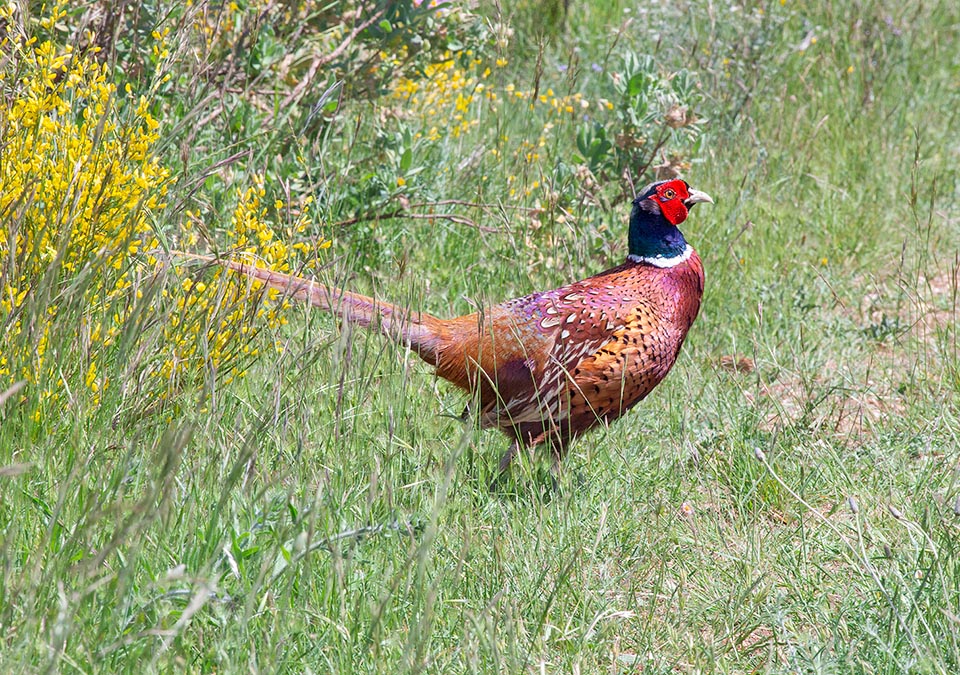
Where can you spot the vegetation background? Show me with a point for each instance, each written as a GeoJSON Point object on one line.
{"type": "Point", "coordinates": [197, 477]}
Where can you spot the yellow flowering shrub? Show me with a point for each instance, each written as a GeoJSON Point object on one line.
{"type": "Point", "coordinates": [451, 91]}
{"type": "Point", "coordinates": [76, 184]}
{"type": "Point", "coordinates": [462, 92]}
{"type": "Point", "coordinates": [80, 188]}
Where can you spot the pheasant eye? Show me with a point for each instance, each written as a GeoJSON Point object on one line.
{"type": "Point", "coordinates": [669, 193]}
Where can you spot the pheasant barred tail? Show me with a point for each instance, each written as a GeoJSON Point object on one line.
{"type": "Point", "coordinates": [417, 330]}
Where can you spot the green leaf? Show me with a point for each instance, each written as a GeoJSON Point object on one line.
{"type": "Point", "coordinates": [637, 84]}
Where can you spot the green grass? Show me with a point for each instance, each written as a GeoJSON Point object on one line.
{"type": "Point", "coordinates": [328, 513]}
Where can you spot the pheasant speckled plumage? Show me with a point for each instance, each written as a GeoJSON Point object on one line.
{"type": "Point", "coordinates": [548, 366]}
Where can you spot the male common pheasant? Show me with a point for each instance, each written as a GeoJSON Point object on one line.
{"type": "Point", "coordinates": [548, 366]}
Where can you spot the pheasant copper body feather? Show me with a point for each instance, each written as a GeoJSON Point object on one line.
{"type": "Point", "coordinates": [548, 366]}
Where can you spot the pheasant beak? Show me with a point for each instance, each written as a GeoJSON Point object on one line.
{"type": "Point", "coordinates": [696, 197]}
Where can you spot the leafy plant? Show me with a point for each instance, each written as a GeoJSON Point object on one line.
{"type": "Point", "coordinates": [652, 117]}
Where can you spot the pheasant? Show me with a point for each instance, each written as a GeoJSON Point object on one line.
{"type": "Point", "coordinates": [548, 366]}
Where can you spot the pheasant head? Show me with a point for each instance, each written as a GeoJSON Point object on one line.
{"type": "Point", "coordinates": [657, 211]}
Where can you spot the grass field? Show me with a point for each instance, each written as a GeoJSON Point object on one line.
{"type": "Point", "coordinates": [198, 479]}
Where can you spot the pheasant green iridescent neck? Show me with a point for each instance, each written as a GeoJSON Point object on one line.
{"type": "Point", "coordinates": [652, 237]}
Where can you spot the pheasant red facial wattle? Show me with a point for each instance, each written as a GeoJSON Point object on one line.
{"type": "Point", "coordinates": [669, 196]}
{"type": "Point", "coordinates": [550, 365]}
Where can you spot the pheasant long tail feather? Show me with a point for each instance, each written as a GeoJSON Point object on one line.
{"type": "Point", "coordinates": [419, 331]}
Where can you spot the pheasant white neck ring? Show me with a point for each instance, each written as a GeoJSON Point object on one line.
{"type": "Point", "coordinates": [663, 261]}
